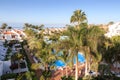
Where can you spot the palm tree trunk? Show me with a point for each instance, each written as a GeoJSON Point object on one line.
{"type": "Point", "coordinates": [86, 68]}
{"type": "Point", "coordinates": [86, 63]}
{"type": "Point", "coordinates": [62, 72]}
{"type": "Point", "coordinates": [89, 68]}
{"type": "Point", "coordinates": [76, 72]}
{"type": "Point", "coordinates": [46, 67]}
{"type": "Point", "coordinates": [96, 69]}
{"type": "Point", "coordinates": [66, 72]}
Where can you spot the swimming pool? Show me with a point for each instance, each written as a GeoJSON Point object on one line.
{"type": "Point", "coordinates": [81, 59]}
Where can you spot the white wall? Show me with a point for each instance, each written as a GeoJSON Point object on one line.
{"type": "Point", "coordinates": [113, 30]}
{"type": "Point", "coordinates": [6, 67]}
{"type": "Point", "coordinates": [1, 68]}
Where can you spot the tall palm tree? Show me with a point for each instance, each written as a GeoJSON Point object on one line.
{"type": "Point", "coordinates": [78, 17]}
{"type": "Point", "coordinates": [64, 46]}
{"type": "Point", "coordinates": [75, 43]}
{"type": "Point", "coordinates": [90, 44]}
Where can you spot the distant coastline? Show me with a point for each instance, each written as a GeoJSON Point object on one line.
{"type": "Point", "coordinates": [21, 25]}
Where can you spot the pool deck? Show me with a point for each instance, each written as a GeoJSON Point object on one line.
{"type": "Point", "coordinates": [56, 74]}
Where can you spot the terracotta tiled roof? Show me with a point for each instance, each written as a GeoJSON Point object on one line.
{"type": "Point", "coordinates": [8, 32]}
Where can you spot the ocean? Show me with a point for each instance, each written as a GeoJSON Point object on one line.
{"type": "Point", "coordinates": [21, 25]}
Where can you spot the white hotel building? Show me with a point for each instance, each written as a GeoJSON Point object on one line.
{"type": "Point", "coordinates": [113, 30]}
{"type": "Point", "coordinates": [11, 34]}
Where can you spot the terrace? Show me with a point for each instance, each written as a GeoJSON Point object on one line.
{"type": "Point", "coordinates": [6, 64]}
{"type": "Point", "coordinates": [19, 67]}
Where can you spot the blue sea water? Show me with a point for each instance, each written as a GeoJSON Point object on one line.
{"type": "Point", "coordinates": [21, 25]}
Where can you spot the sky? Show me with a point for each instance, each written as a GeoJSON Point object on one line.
{"type": "Point", "coordinates": [52, 12]}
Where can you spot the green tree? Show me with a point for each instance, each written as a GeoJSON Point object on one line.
{"type": "Point", "coordinates": [16, 57]}
{"type": "Point", "coordinates": [111, 55]}
{"type": "Point", "coordinates": [91, 39]}
{"type": "Point", "coordinates": [30, 33]}
{"type": "Point", "coordinates": [4, 26]}
{"type": "Point", "coordinates": [44, 54]}
{"type": "Point", "coordinates": [27, 25]}
{"type": "Point", "coordinates": [75, 43]}
{"type": "Point", "coordinates": [78, 17]}
{"type": "Point", "coordinates": [110, 23]}
{"type": "Point", "coordinates": [85, 40]}
{"type": "Point", "coordinates": [64, 47]}
{"type": "Point", "coordinates": [41, 27]}
{"type": "Point", "coordinates": [27, 76]}
{"type": "Point", "coordinates": [9, 27]}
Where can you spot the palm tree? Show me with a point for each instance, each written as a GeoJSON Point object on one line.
{"type": "Point", "coordinates": [30, 33]}
{"type": "Point", "coordinates": [16, 57]}
{"type": "Point", "coordinates": [26, 25]}
{"type": "Point", "coordinates": [111, 55]}
{"type": "Point", "coordinates": [84, 40]}
{"type": "Point", "coordinates": [47, 59]}
{"type": "Point", "coordinates": [110, 23]}
{"type": "Point", "coordinates": [9, 27]}
{"type": "Point", "coordinates": [34, 44]}
{"type": "Point", "coordinates": [64, 46]}
{"type": "Point", "coordinates": [90, 44]}
{"type": "Point", "coordinates": [46, 56]}
{"type": "Point", "coordinates": [78, 17]}
{"type": "Point", "coordinates": [75, 43]}
{"type": "Point", "coordinates": [43, 53]}
{"type": "Point", "coordinates": [3, 26]}
{"type": "Point", "coordinates": [41, 27]}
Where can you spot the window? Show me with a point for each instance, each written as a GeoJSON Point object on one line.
{"type": "Point", "coordinates": [3, 37]}
{"type": "Point", "coordinates": [13, 36]}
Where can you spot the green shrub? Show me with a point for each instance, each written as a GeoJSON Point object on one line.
{"type": "Point", "coordinates": [116, 78]}
{"type": "Point", "coordinates": [8, 76]}
{"type": "Point", "coordinates": [34, 78]}
{"type": "Point", "coordinates": [69, 78]}
{"type": "Point", "coordinates": [105, 78]}
{"type": "Point", "coordinates": [42, 78]}
{"type": "Point", "coordinates": [80, 78]}
{"type": "Point", "coordinates": [47, 74]}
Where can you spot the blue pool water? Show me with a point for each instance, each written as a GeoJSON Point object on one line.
{"type": "Point", "coordinates": [60, 63]}
{"type": "Point", "coordinates": [81, 58]}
